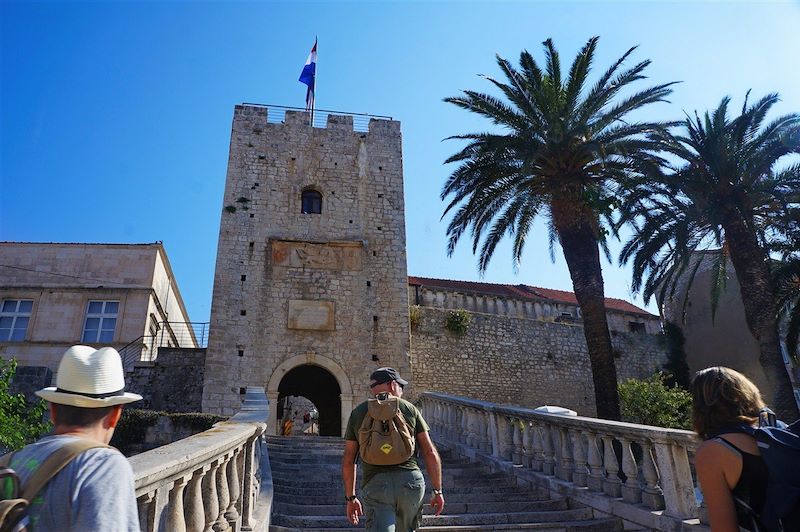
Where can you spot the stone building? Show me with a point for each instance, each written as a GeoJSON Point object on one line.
{"type": "Point", "coordinates": [310, 287]}
{"type": "Point", "coordinates": [54, 295]}
{"type": "Point", "coordinates": [524, 345]}
{"type": "Point", "coordinates": [721, 338]}
{"type": "Point", "coordinates": [311, 292]}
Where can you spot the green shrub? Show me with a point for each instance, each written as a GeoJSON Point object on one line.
{"type": "Point", "coordinates": [458, 321]}
{"type": "Point", "coordinates": [414, 315]}
{"type": "Point", "coordinates": [21, 422]}
{"type": "Point", "coordinates": [652, 402]}
{"type": "Point", "coordinates": [132, 427]}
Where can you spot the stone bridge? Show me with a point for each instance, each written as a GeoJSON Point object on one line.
{"type": "Point", "coordinates": [221, 480]}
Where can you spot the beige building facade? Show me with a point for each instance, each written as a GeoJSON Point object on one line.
{"type": "Point", "coordinates": [724, 339]}
{"type": "Point", "coordinates": [310, 286]}
{"type": "Point", "coordinates": [54, 295]}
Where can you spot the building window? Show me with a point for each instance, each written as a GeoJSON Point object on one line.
{"type": "Point", "coordinates": [312, 202]}
{"type": "Point", "coordinates": [101, 320]}
{"type": "Point", "coordinates": [636, 327]}
{"type": "Point", "coordinates": [14, 317]}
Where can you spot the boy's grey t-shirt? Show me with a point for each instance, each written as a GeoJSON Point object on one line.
{"type": "Point", "coordinates": [93, 492]}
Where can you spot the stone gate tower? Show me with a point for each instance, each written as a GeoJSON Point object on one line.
{"type": "Point", "coordinates": [310, 288]}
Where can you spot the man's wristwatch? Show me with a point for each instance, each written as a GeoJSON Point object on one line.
{"type": "Point", "coordinates": [437, 492]}
{"type": "Point", "coordinates": [351, 498]}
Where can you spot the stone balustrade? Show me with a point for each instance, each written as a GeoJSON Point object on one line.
{"type": "Point", "coordinates": [638, 472]}
{"type": "Point", "coordinates": [213, 480]}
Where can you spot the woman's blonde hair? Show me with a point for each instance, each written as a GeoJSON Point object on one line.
{"type": "Point", "coordinates": [722, 396]}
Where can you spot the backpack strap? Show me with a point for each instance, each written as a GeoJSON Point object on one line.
{"type": "Point", "coordinates": [727, 444]}
{"type": "Point", "coordinates": [55, 463]}
{"type": "Point", "coordinates": [5, 460]}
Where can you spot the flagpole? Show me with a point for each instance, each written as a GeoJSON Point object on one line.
{"type": "Point", "coordinates": [314, 100]}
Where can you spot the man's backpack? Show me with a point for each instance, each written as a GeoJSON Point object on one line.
{"type": "Point", "coordinates": [15, 499]}
{"type": "Point", "coordinates": [384, 437]}
{"type": "Point", "coordinates": [779, 446]}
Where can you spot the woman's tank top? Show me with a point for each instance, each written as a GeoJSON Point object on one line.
{"type": "Point", "coordinates": [752, 485]}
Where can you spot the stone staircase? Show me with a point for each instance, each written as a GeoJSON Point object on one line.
{"type": "Point", "coordinates": [308, 495]}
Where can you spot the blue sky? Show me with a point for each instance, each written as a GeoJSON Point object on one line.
{"type": "Point", "coordinates": [116, 116]}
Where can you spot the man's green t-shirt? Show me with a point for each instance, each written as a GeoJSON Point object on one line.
{"type": "Point", "coordinates": [415, 422]}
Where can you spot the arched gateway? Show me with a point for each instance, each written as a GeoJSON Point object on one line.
{"type": "Point", "coordinates": [318, 379]}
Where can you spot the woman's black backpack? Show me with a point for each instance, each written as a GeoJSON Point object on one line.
{"type": "Point", "coordinates": [779, 446]}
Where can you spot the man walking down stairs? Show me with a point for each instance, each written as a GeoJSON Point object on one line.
{"type": "Point", "coordinates": [307, 483]}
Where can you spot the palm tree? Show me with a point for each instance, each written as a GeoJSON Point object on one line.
{"type": "Point", "coordinates": [560, 148]}
{"type": "Point", "coordinates": [726, 191]}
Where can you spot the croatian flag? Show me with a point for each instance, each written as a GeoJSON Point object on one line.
{"type": "Point", "coordinates": [308, 76]}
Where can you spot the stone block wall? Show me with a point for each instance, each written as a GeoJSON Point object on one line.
{"type": "Point", "coordinates": [520, 362]}
{"type": "Point", "coordinates": [291, 288]}
{"type": "Point", "coordinates": [29, 379]}
{"type": "Point", "coordinates": [173, 383]}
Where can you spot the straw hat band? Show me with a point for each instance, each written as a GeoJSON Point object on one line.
{"type": "Point", "coordinates": [93, 395]}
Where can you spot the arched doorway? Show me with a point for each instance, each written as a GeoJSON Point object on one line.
{"type": "Point", "coordinates": [319, 386]}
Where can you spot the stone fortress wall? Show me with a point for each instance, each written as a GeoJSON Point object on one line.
{"type": "Point", "coordinates": [521, 361]}
{"type": "Point", "coordinates": [294, 289]}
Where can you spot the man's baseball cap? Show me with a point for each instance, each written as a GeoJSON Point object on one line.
{"type": "Point", "coordinates": [384, 375]}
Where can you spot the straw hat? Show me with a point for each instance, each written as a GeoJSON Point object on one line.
{"type": "Point", "coordinates": [89, 378]}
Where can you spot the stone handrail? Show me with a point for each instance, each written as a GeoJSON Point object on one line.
{"type": "Point", "coordinates": [210, 480]}
{"type": "Point", "coordinates": [598, 461]}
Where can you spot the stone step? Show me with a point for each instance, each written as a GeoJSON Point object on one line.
{"type": "Point", "coordinates": [597, 525]}
{"type": "Point", "coordinates": [335, 487]}
{"type": "Point", "coordinates": [317, 477]}
{"type": "Point", "coordinates": [451, 507]}
{"type": "Point", "coordinates": [466, 519]}
{"type": "Point", "coordinates": [337, 498]}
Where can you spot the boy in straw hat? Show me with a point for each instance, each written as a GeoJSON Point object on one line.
{"type": "Point", "coordinates": [94, 491]}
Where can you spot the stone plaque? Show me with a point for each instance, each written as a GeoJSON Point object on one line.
{"type": "Point", "coordinates": [330, 256]}
{"type": "Point", "coordinates": [311, 315]}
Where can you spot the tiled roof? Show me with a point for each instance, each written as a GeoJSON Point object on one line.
{"type": "Point", "coordinates": [520, 291]}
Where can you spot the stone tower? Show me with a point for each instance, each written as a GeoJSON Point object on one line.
{"type": "Point", "coordinates": [310, 288]}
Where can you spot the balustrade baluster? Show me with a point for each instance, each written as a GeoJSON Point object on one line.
{"type": "Point", "coordinates": [595, 480]}
{"type": "Point", "coordinates": [223, 494]}
{"type": "Point", "coordinates": [176, 520]}
{"type": "Point", "coordinates": [193, 503]}
{"type": "Point", "coordinates": [565, 461]}
{"type": "Point", "coordinates": [487, 431]}
{"type": "Point", "coordinates": [538, 447]}
{"type": "Point", "coordinates": [652, 496]}
{"type": "Point", "coordinates": [516, 440]}
{"type": "Point", "coordinates": [549, 464]}
{"type": "Point", "coordinates": [462, 425]}
{"type": "Point", "coordinates": [210, 500]}
{"type": "Point", "coordinates": [579, 472]}
{"type": "Point", "coordinates": [234, 488]}
{"type": "Point", "coordinates": [506, 443]}
{"type": "Point", "coordinates": [612, 484]}
{"type": "Point", "coordinates": [527, 445]}
{"type": "Point", "coordinates": [631, 491]}
{"type": "Point", "coordinates": [146, 506]}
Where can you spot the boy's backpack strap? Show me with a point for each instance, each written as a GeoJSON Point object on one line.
{"type": "Point", "coordinates": [6, 459]}
{"type": "Point", "coordinates": [55, 463]}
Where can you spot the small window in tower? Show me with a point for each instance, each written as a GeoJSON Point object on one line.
{"type": "Point", "coordinates": [312, 202]}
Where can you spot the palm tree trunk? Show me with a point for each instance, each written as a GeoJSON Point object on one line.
{"type": "Point", "coordinates": [758, 298]}
{"type": "Point", "coordinates": [579, 243]}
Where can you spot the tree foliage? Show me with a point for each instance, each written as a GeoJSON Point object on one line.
{"type": "Point", "coordinates": [557, 149]}
{"type": "Point", "coordinates": [652, 402]}
{"type": "Point", "coordinates": [21, 422]}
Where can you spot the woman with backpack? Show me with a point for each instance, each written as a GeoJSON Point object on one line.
{"type": "Point", "coordinates": [730, 469]}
